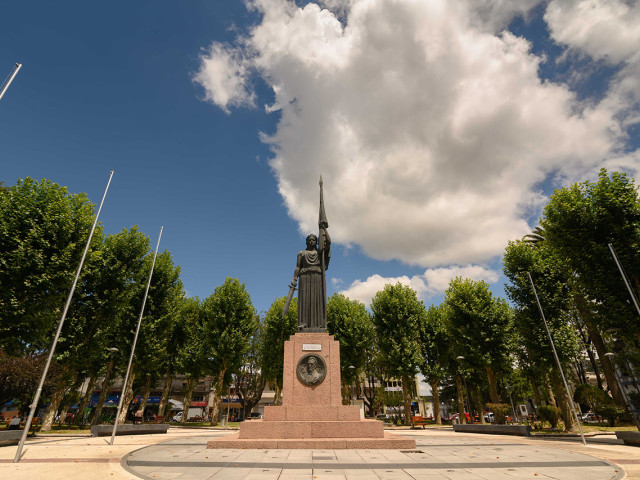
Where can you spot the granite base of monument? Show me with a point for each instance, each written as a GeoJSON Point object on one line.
{"type": "Point", "coordinates": [312, 414]}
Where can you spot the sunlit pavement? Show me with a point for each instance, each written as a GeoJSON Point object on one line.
{"type": "Point", "coordinates": [440, 454]}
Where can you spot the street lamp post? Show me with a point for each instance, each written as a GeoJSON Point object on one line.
{"type": "Point", "coordinates": [351, 370]}
{"type": "Point", "coordinates": [610, 356]}
{"type": "Point", "coordinates": [460, 359]}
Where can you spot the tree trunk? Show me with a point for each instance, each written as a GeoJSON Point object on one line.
{"type": "Point", "coordinates": [436, 400]}
{"type": "Point", "coordinates": [164, 399]}
{"type": "Point", "coordinates": [594, 365]}
{"type": "Point", "coordinates": [346, 393]}
{"type": "Point", "coordinates": [479, 403]}
{"type": "Point", "coordinates": [493, 385]}
{"type": "Point", "coordinates": [550, 397]}
{"type": "Point", "coordinates": [217, 401]}
{"type": "Point", "coordinates": [563, 401]}
{"type": "Point", "coordinates": [537, 398]}
{"type": "Point", "coordinates": [277, 398]}
{"type": "Point", "coordinates": [462, 418]}
{"type": "Point", "coordinates": [191, 383]}
{"type": "Point", "coordinates": [54, 404]}
{"type": "Point", "coordinates": [104, 391]}
{"type": "Point", "coordinates": [406, 393]}
{"type": "Point", "coordinates": [145, 395]}
{"type": "Point", "coordinates": [127, 392]}
{"type": "Point", "coordinates": [607, 366]}
{"type": "Point", "coordinates": [83, 405]}
{"type": "Point", "coordinates": [67, 404]}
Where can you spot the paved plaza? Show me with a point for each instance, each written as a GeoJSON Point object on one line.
{"type": "Point", "coordinates": [440, 454]}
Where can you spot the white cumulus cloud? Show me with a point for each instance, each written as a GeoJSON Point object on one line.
{"type": "Point", "coordinates": [429, 123]}
{"type": "Point", "coordinates": [434, 281]}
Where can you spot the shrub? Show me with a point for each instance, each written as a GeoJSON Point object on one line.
{"type": "Point", "coordinates": [591, 396]}
{"type": "Point", "coordinates": [500, 410]}
{"type": "Point", "coordinates": [550, 414]}
{"type": "Point", "coordinates": [610, 412]}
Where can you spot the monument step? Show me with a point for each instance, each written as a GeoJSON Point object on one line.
{"type": "Point", "coordinates": [389, 441]}
{"type": "Point", "coordinates": [259, 429]}
{"type": "Point", "coordinates": [314, 413]}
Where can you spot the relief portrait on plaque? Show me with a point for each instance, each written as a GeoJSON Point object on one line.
{"type": "Point", "coordinates": [311, 369]}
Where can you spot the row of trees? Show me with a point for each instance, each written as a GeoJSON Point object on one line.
{"type": "Point", "coordinates": [499, 351]}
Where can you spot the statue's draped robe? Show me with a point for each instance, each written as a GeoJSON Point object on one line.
{"type": "Point", "coordinates": [310, 290]}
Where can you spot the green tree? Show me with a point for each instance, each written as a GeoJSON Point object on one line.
{"type": "Point", "coordinates": [249, 380]}
{"type": "Point", "coordinates": [195, 358]}
{"type": "Point", "coordinates": [231, 322]}
{"type": "Point", "coordinates": [350, 324]}
{"type": "Point", "coordinates": [482, 326]}
{"type": "Point", "coordinates": [43, 232]}
{"type": "Point", "coordinates": [275, 331]}
{"type": "Point", "coordinates": [165, 296]}
{"type": "Point", "coordinates": [580, 221]}
{"type": "Point", "coordinates": [435, 343]}
{"type": "Point", "coordinates": [550, 277]}
{"type": "Point", "coordinates": [397, 317]}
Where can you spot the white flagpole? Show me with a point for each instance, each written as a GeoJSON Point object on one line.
{"type": "Point", "coordinates": [12, 75]}
{"type": "Point", "coordinates": [135, 340]}
{"type": "Point", "coordinates": [34, 404]}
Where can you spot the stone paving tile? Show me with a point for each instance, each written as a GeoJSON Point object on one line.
{"type": "Point", "coordinates": [392, 474]}
{"type": "Point", "coordinates": [363, 476]}
{"type": "Point", "coordinates": [328, 476]}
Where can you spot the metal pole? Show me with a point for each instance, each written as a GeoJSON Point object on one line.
{"type": "Point", "coordinates": [12, 75]}
{"type": "Point", "coordinates": [34, 404]}
{"type": "Point", "coordinates": [624, 277]}
{"type": "Point", "coordinates": [555, 354]}
{"type": "Point", "coordinates": [610, 355]}
{"type": "Point", "coordinates": [135, 340]}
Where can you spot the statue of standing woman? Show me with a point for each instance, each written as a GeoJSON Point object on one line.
{"type": "Point", "coordinates": [309, 276]}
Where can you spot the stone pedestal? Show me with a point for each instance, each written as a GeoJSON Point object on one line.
{"type": "Point", "coordinates": [312, 416]}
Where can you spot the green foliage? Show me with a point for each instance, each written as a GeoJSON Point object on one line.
{"type": "Point", "coordinates": [580, 222]}
{"type": "Point", "coordinates": [500, 411]}
{"type": "Point", "coordinates": [609, 411]}
{"type": "Point", "coordinates": [43, 232]}
{"type": "Point", "coordinates": [276, 330]}
{"type": "Point", "coordinates": [350, 324]}
{"type": "Point", "coordinates": [551, 277]}
{"type": "Point", "coordinates": [549, 413]}
{"type": "Point", "coordinates": [397, 318]}
{"type": "Point", "coordinates": [230, 321]}
{"type": "Point", "coordinates": [193, 351]}
{"type": "Point", "coordinates": [598, 401]}
{"type": "Point", "coordinates": [481, 324]}
{"type": "Point", "coordinates": [163, 303]}
{"type": "Point", "coordinates": [435, 343]}
{"type": "Point", "coordinates": [591, 396]}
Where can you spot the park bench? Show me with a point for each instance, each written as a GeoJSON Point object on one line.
{"type": "Point", "coordinates": [417, 421]}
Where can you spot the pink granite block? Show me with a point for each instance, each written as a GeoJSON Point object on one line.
{"type": "Point", "coordinates": [274, 413]}
{"type": "Point", "coordinates": [318, 444]}
{"type": "Point", "coordinates": [347, 430]}
{"type": "Point", "coordinates": [348, 413]}
{"type": "Point", "coordinates": [260, 429]}
{"type": "Point", "coordinates": [386, 443]}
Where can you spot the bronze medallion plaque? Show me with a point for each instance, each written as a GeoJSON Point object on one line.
{"type": "Point", "coordinates": [311, 369]}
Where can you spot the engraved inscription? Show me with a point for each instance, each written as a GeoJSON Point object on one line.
{"type": "Point", "coordinates": [311, 347]}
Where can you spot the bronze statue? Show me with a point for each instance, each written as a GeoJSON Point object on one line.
{"type": "Point", "coordinates": [311, 265]}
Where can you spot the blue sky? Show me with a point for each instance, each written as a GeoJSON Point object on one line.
{"type": "Point", "coordinates": [439, 127]}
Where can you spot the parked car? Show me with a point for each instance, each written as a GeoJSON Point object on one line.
{"type": "Point", "coordinates": [177, 417]}
{"type": "Point", "coordinates": [489, 417]}
{"type": "Point", "coordinates": [590, 417]}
